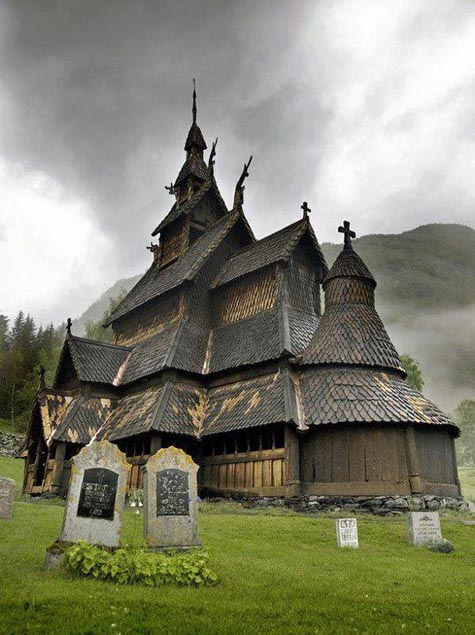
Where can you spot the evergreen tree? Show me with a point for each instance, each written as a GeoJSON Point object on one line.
{"type": "Point", "coordinates": [464, 417]}
{"type": "Point", "coordinates": [414, 374]}
{"type": "Point", "coordinates": [95, 330]}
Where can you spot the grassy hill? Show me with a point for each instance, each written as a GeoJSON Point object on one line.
{"type": "Point", "coordinates": [425, 295]}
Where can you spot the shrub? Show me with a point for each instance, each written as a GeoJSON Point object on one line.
{"type": "Point", "coordinates": [441, 546]}
{"type": "Point", "coordinates": [136, 566]}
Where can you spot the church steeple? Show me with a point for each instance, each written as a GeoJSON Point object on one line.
{"type": "Point", "coordinates": [195, 137]}
{"type": "Point", "coordinates": [194, 171]}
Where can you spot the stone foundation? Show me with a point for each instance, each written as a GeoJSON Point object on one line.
{"type": "Point", "coordinates": [9, 443]}
{"type": "Point", "coordinates": [379, 505]}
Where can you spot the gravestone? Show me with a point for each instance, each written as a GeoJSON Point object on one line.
{"type": "Point", "coordinates": [96, 495]}
{"type": "Point", "coordinates": [7, 492]}
{"type": "Point", "coordinates": [171, 505]}
{"type": "Point", "coordinates": [423, 527]}
{"type": "Point", "coordinates": [347, 532]}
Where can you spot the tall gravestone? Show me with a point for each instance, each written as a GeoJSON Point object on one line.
{"type": "Point", "coordinates": [96, 495]}
{"type": "Point", "coordinates": [7, 493]}
{"type": "Point", "coordinates": [171, 500]}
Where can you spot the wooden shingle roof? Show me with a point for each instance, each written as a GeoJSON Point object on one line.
{"type": "Point", "coordinates": [156, 282]}
{"type": "Point", "coordinates": [184, 208]}
{"type": "Point", "coordinates": [250, 341]}
{"type": "Point", "coordinates": [273, 248]}
{"type": "Point", "coordinates": [82, 420]}
{"type": "Point", "coordinates": [351, 334]}
{"type": "Point", "coordinates": [95, 362]}
{"type": "Point", "coordinates": [358, 395]}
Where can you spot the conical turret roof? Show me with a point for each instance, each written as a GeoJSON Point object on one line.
{"type": "Point", "coordinates": [351, 331]}
{"type": "Point", "coordinates": [349, 265]}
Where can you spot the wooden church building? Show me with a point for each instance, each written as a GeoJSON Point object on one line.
{"type": "Point", "coordinates": [223, 349]}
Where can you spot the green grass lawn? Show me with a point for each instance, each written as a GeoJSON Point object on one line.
{"type": "Point", "coordinates": [13, 468]}
{"type": "Point", "coordinates": [278, 574]}
{"type": "Point", "coordinates": [467, 480]}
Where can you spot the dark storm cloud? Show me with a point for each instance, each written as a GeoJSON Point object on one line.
{"type": "Point", "coordinates": [96, 95]}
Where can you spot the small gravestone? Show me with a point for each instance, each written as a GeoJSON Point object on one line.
{"type": "Point", "coordinates": [96, 495]}
{"type": "Point", "coordinates": [423, 527]}
{"type": "Point", "coordinates": [171, 505]}
{"type": "Point", "coordinates": [7, 492]}
{"type": "Point", "coordinates": [347, 532]}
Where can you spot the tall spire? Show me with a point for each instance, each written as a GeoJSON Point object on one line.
{"type": "Point", "coordinates": [195, 137]}
{"type": "Point", "coordinates": [193, 110]}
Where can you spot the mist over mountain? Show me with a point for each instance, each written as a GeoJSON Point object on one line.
{"type": "Point", "coordinates": [425, 296]}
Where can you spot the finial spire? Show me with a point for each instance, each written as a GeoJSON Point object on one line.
{"type": "Point", "coordinates": [69, 324]}
{"type": "Point", "coordinates": [194, 110]}
{"type": "Point", "coordinates": [239, 190]}
{"type": "Point", "coordinates": [306, 209]}
{"type": "Point", "coordinates": [212, 154]}
{"type": "Point", "coordinates": [349, 234]}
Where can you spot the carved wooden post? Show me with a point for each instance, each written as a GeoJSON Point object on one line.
{"type": "Point", "coordinates": [292, 455]}
{"type": "Point", "coordinates": [58, 467]}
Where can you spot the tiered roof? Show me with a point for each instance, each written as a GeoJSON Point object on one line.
{"type": "Point", "coordinates": [351, 372]}
{"type": "Point", "coordinates": [344, 367]}
{"type": "Point", "coordinates": [155, 282]}
{"type": "Point", "coordinates": [351, 331]}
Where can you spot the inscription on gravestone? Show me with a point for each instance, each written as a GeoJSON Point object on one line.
{"type": "Point", "coordinates": [423, 527]}
{"type": "Point", "coordinates": [98, 494]}
{"type": "Point", "coordinates": [173, 496]}
{"type": "Point", "coordinates": [171, 500]}
{"type": "Point", "coordinates": [347, 532]}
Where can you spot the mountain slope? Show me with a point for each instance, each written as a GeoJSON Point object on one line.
{"type": "Point", "coordinates": [425, 295]}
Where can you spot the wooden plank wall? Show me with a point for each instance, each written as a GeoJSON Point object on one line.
{"type": "Point", "coordinates": [254, 472]}
{"type": "Point", "coordinates": [151, 321]}
{"type": "Point", "coordinates": [435, 454]}
{"type": "Point", "coordinates": [245, 297]}
{"type": "Point", "coordinates": [355, 458]}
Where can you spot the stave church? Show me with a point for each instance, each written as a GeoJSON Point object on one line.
{"type": "Point", "coordinates": [273, 371]}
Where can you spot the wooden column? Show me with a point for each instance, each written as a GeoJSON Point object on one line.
{"type": "Point", "coordinates": [155, 443]}
{"type": "Point", "coordinates": [58, 467]}
{"type": "Point", "coordinates": [292, 462]}
{"type": "Point", "coordinates": [412, 461]}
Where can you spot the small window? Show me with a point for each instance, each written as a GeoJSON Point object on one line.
{"type": "Point", "coordinates": [254, 443]}
{"type": "Point", "coordinates": [267, 439]}
{"type": "Point", "coordinates": [242, 443]}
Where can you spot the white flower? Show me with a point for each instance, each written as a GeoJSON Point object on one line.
{"type": "Point", "coordinates": [133, 504]}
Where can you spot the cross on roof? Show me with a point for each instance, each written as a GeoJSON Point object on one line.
{"type": "Point", "coordinates": [306, 209]}
{"type": "Point", "coordinates": [349, 234]}
{"type": "Point", "coordinates": [69, 324]}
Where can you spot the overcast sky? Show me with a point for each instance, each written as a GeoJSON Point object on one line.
{"type": "Point", "coordinates": [363, 108]}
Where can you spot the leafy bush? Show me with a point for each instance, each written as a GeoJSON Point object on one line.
{"type": "Point", "coordinates": [136, 566]}
{"type": "Point", "coordinates": [441, 546]}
